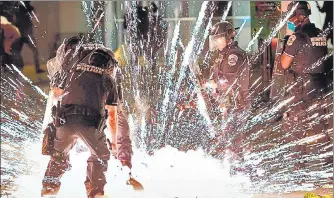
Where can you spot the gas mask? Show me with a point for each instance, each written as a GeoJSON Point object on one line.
{"type": "Point", "coordinates": [291, 26]}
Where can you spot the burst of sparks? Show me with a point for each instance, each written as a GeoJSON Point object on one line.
{"type": "Point", "coordinates": [272, 154]}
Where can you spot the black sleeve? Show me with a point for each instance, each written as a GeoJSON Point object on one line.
{"type": "Point", "coordinates": [293, 45]}
{"type": "Point", "coordinates": [112, 95]}
{"type": "Point", "coordinates": [235, 61]}
{"type": "Point", "coordinates": [119, 91]}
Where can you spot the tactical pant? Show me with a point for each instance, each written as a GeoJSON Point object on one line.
{"type": "Point", "coordinates": [123, 141]}
{"type": "Point", "coordinates": [233, 133]}
{"type": "Point", "coordinates": [305, 89]}
{"type": "Point", "coordinates": [97, 163]}
{"type": "Point", "coordinates": [235, 129]}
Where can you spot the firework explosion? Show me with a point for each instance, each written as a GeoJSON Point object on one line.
{"type": "Point", "coordinates": [278, 157]}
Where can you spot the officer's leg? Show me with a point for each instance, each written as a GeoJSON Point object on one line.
{"type": "Point", "coordinates": [17, 59]}
{"type": "Point", "coordinates": [31, 42]}
{"type": "Point", "coordinates": [59, 161]}
{"type": "Point", "coordinates": [123, 142]}
{"type": "Point", "coordinates": [97, 163]}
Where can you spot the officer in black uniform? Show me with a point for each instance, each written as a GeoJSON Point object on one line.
{"type": "Point", "coordinates": [302, 51]}
{"type": "Point", "coordinates": [87, 87]}
{"type": "Point", "coordinates": [231, 68]}
{"type": "Point", "coordinates": [305, 81]}
{"type": "Point", "coordinates": [231, 76]}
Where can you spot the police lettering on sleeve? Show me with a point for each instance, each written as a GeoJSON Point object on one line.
{"type": "Point", "coordinates": [293, 45]}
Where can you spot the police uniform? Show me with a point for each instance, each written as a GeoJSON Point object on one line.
{"type": "Point", "coordinates": [88, 91]}
{"type": "Point", "coordinates": [304, 83]}
{"type": "Point", "coordinates": [231, 74]}
{"type": "Point", "coordinates": [305, 78]}
{"type": "Point", "coordinates": [231, 69]}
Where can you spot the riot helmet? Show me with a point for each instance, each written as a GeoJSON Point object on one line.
{"type": "Point", "coordinates": [220, 35]}
{"type": "Point", "coordinates": [299, 15]}
{"type": "Point", "coordinates": [303, 8]}
{"type": "Point", "coordinates": [72, 42]}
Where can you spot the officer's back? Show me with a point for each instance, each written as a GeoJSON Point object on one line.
{"type": "Point", "coordinates": [85, 85]}
{"type": "Point", "coordinates": [309, 47]}
{"type": "Point", "coordinates": [303, 55]}
{"type": "Point", "coordinates": [87, 89]}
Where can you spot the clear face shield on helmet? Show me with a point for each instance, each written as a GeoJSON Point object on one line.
{"type": "Point", "coordinates": [217, 42]}
{"type": "Point", "coordinates": [54, 65]}
{"type": "Point", "coordinates": [112, 68]}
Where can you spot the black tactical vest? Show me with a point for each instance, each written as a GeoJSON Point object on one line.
{"type": "Point", "coordinates": [312, 49]}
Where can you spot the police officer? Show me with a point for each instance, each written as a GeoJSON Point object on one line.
{"type": "Point", "coordinates": [301, 58]}
{"type": "Point", "coordinates": [8, 35]}
{"type": "Point", "coordinates": [231, 74]}
{"type": "Point", "coordinates": [230, 69]}
{"type": "Point", "coordinates": [87, 87]}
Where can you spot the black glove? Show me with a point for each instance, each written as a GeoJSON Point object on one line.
{"type": "Point", "coordinates": [285, 40]}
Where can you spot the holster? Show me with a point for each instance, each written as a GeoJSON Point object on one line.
{"type": "Point", "coordinates": [50, 132]}
{"type": "Point", "coordinates": [57, 115]}
{"type": "Point", "coordinates": [48, 140]}
{"type": "Point", "coordinates": [102, 123]}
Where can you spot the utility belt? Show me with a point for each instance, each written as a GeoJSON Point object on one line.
{"type": "Point", "coordinates": [60, 115]}
{"type": "Point", "coordinates": [316, 80]}
{"type": "Point", "coordinates": [306, 76]}
{"type": "Point", "coordinates": [306, 87]}
{"type": "Point", "coordinates": [66, 111]}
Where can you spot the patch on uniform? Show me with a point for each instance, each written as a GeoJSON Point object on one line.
{"type": "Point", "coordinates": [319, 41]}
{"type": "Point", "coordinates": [232, 59]}
{"type": "Point", "coordinates": [292, 39]}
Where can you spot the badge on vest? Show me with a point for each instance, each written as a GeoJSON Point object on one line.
{"type": "Point", "coordinates": [292, 39]}
{"type": "Point", "coordinates": [232, 59]}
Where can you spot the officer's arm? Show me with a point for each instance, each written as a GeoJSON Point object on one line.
{"type": "Point", "coordinates": [243, 76]}
{"type": "Point", "coordinates": [286, 61]}
{"type": "Point", "coordinates": [112, 121]}
{"type": "Point", "coordinates": [11, 33]}
{"type": "Point", "coordinates": [290, 49]}
{"type": "Point", "coordinates": [111, 106]}
{"type": "Point", "coordinates": [57, 92]}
